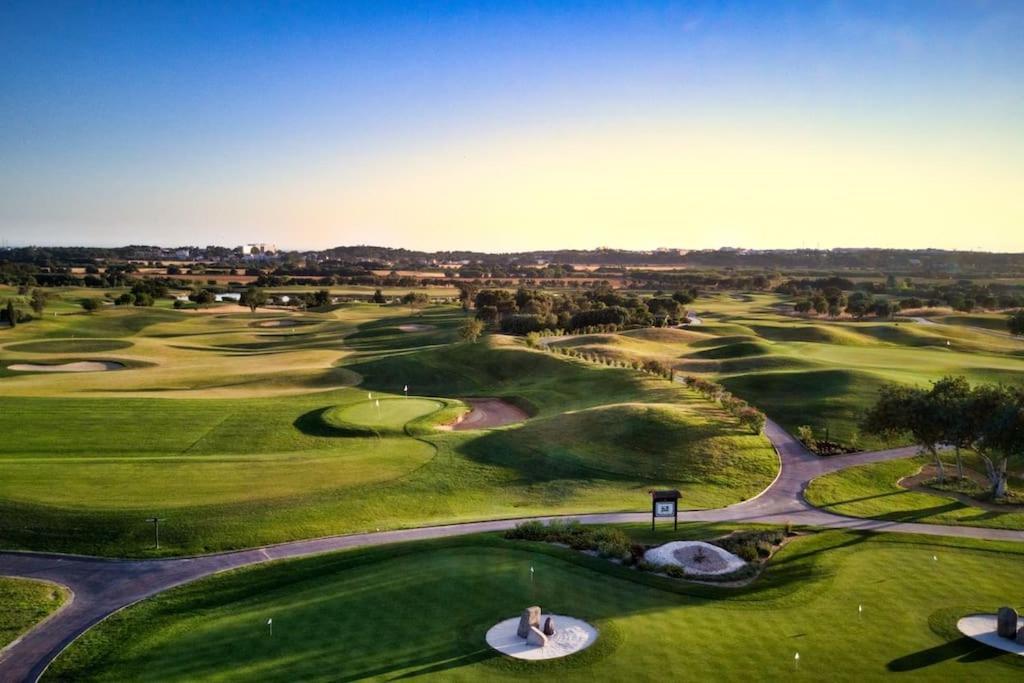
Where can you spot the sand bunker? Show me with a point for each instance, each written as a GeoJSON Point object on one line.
{"type": "Point", "coordinates": [280, 323]}
{"type": "Point", "coordinates": [415, 327]}
{"type": "Point", "coordinates": [78, 366]}
{"type": "Point", "coordinates": [489, 412]}
{"type": "Point", "coordinates": [695, 557]}
{"type": "Point", "coordinates": [571, 635]}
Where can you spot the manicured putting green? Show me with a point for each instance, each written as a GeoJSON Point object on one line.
{"type": "Point", "coordinates": [70, 346]}
{"type": "Point", "coordinates": [385, 413]}
{"type": "Point", "coordinates": [423, 610]}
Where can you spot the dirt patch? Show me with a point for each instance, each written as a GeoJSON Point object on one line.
{"type": "Point", "coordinates": [918, 482]}
{"type": "Point", "coordinates": [78, 366]}
{"type": "Point", "coordinates": [415, 327]}
{"type": "Point", "coordinates": [489, 412]}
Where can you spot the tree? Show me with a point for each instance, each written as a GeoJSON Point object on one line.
{"type": "Point", "coordinates": [1015, 323]}
{"type": "Point", "coordinates": [820, 304]}
{"type": "Point", "coordinates": [415, 301]}
{"type": "Point", "coordinates": [321, 297]}
{"type": "Point", "coordinates": [467, 292]}
{"type": "Point", "coordinates": [12, 315]}
{"type": "Point", "coordinates": [378, 297]}
{"type": "Point", "coordinates": [38, 300]}
{"type": "Point", "coordinates": [802, 306]}
{"type": "Point", "coordinates": [753, 419]}
{"type": "Point", "coordinates": [471, 329]}
{"type": "Point", "coordinates": [907, 410]}
{"type": "Point", "coordinates": [90, 305]}
{"type": "Point", "coordinates": [949, 398]}
{"type": "Point", "coordinates": [253, 297]}
{"type": "Point", "coordinates": [203, 297]}
{"type": "Point", "coordinates": [126, 299]}
{"type": "Point", "coordinates": [999, 414]}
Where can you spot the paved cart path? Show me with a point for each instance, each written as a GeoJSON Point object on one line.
{"type": "Point", "coordinates": [102, 586]}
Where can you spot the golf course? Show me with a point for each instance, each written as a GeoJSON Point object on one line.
{"type": "Point", "coordinates": [389, 440]}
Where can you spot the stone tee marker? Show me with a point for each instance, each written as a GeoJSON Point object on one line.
{"type": "Point", "coordinates": [536, 637]}
{"type": "Point", "coordinates": [549, 627]}
{"type": "Point", "coordinates": [1006, 623]}
{"type": "Point", "coordinates": [530, 619]}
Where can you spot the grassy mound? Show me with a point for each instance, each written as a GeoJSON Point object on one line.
{"type": "Point", "coordinates": [71, 346]}
{"type": "Point", "coordinates": [701, 452]}
{"type": "Point", "coordinates": [743, 349]}
{"type": "Point", "coordinates": [26, 603]}
{"type": "Point", "coordinates": [828, 398]}
{"type": "Point", "coordinates": [216, 629]}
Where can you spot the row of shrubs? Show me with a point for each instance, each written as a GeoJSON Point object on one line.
{"type": "Point", "coordinates": [651, 367]}
{"type": "Point", "coordinates": [748, 416]}
{"type": "Point", "coordinates": [610, 543]}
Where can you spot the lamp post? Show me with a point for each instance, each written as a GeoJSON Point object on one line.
{"type": "Point", "coordinates": [155, 521]}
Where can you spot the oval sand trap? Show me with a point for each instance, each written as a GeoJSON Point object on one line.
{"type": "Point", "coordinates": [78, 366]}
{"type": "Point", "coordinates": [490, 412]}
{"type": "Point", "coordinates": [415, 327]}
{"type": "Point", "coordinates": [571, 635]}
{"type": "Point", "coordinates": [695, 557]}
{"type": "Point", "coordinates": [286, 322]}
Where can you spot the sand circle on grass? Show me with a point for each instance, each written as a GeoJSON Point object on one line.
{"type": "Point", "coordinates": [571, 635]}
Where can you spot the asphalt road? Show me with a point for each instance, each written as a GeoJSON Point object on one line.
{"type": "Point", "coordinates": [103, 586]}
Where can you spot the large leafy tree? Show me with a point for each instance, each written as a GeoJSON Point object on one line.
{"type": "Point", "coordinates": [904, 410]}
{"type": "Point", "coordinates": [253, 297]}
{"type": "Point", "coordinates": [1015, 323]}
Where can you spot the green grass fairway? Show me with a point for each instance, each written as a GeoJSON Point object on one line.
{"type": "Point", "coordinates": [422, 610]}
{"type": "Point", "coordinates": [872, 491]}
{"type": "Point", "coordinates": [24, 604]}
{"type": "Point", "coordinates": [241, 435]}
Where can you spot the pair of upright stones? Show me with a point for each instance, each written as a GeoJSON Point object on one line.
{"type": "Point", "coordinates": [529, 627]}
{"type": "Point", "coordinates": [1006, 625]}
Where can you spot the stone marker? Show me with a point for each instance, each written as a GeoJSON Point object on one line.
{"type": "Point", "coordinates": [1020, 636]}
{"type": "Point", "coordinates": [531, 617]}
{"type": "Point", "coordinates": [1006, 622]}
{"type": "Point", "coordinates": [536, 637]}
{"type": "Point", "coordinates": [549, 627]}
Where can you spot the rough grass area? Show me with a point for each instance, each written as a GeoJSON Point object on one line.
{"type": "Point", "coordinates": [872, 491]}
{"type": "Point", "coordinates": [24, 603]}
{"type": "Point", "coordinates": [421, 610]}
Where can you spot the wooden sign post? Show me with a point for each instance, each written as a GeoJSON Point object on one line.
{"type": "Point", "coordinates": [665, 504]}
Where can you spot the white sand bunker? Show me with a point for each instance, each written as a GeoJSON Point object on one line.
{"type": "Point", "coordinates": [78, 366]}
{"type": "Point", "coordinates": [287, 322]}
{"type": "Point", "coordinates": [415, 327]}
{"type": "Point", "coordinates": [695, 557]}
{"type": "Point", "coordinates": [571, 635]}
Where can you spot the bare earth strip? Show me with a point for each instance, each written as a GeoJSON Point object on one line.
{"type": "Point", "coordinates": [79, 366]}
{"type": "Point", "coordinates": [103, 586]}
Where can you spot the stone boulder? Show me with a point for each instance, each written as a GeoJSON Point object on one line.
{"type": "Point", "coordinates": [1020, 635]}
{"type": "Point", "coordinates": [536, 637]}
{"type": "Point", "coordinates": [549, 627]}
{"type": "Point", "coordinates": [1006, 622]}
{"type": "Point", "coordinates": [530, 618]}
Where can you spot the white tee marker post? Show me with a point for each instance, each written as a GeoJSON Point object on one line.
{"type": "Point", "coordinates": [270, 625]}
{"type": "Point", "coordinates": [796, 661]}
{"type": "Point", "coordinates": [406, 390]}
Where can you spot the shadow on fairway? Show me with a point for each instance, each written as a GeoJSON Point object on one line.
{"type": "Point", "coordinates": [964, 649]}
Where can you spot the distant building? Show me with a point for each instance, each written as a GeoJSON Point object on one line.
{"type": "Point", "coordinates": [258, 251]}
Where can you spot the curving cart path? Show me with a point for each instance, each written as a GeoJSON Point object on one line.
{"type": "Point", "coordinates": [103, 586]}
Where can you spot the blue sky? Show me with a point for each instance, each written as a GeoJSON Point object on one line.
{"type": "Point", "coordinates": [513, 125]}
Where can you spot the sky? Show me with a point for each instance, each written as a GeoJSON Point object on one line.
{"type": "Point", "coordinates": [512, 126]}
